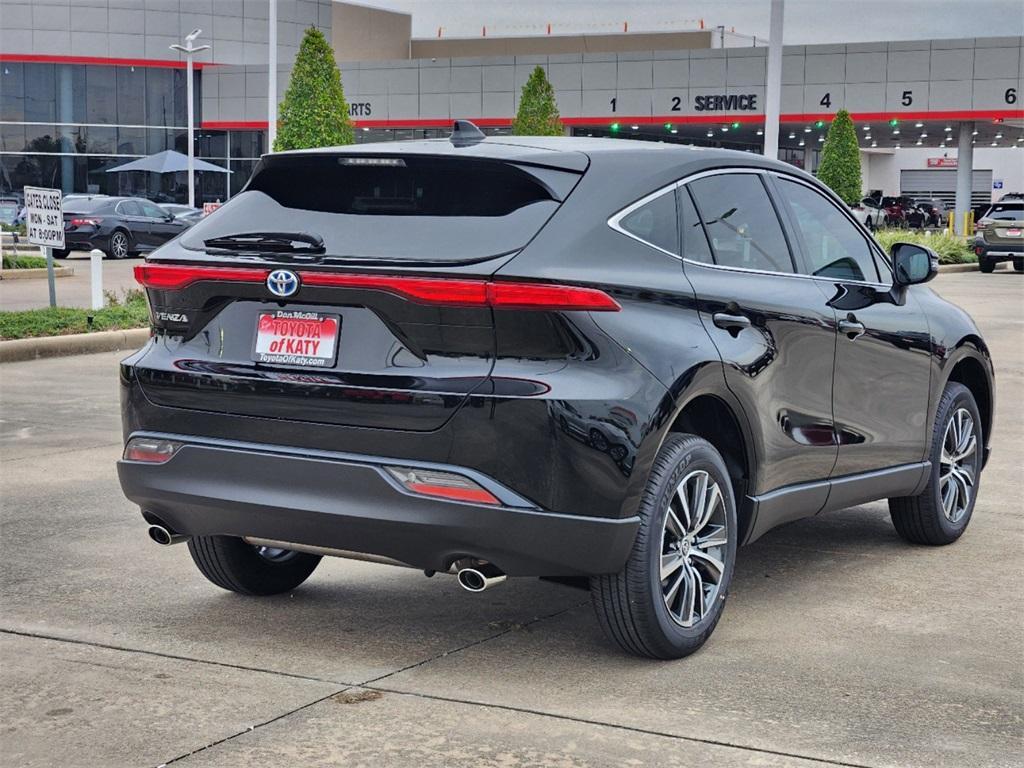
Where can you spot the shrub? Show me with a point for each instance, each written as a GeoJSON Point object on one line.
{"type": "Point", "coordinates": [840, 159]}
{"type": "Point", "coordinates": [538, 112]}
{"type": "Point", "coordinates": [950, 248]}
{"type": "Point", "coordinates": [130, 312]}
{"type": "Point", "coordinates": [314, 112]}
{"type": "Point", "coordinates": [23, 262]}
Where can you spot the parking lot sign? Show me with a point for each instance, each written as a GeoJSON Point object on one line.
{"type": "Point", "coordinates": [44, 220]}
{"type": "Point", "coordinates": [45, 217]}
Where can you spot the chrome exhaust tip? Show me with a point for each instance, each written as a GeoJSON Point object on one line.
{"type": "Point", "coordinates": [476, 576]}
{"type": "Point", "coordinates": [164, 537]}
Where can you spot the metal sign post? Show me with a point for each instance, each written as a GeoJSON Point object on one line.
{"type": "Point", "coordinates": [45, 225]}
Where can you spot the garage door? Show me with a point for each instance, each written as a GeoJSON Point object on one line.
{"type": "Point", "coordinates": [940, 184]}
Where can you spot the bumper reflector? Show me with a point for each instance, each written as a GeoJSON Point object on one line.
{"type": "Point", "coordinates": [444, 485]}
{"type": "Point", "coordinates": [151, 450]}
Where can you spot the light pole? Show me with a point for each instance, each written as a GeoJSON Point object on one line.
{"type": "Point", "coordinates": [773, 81]}
{"type": "Point", "coordinates": [190, 50]}
{"type": "Point", "coordinates": [272, 78]}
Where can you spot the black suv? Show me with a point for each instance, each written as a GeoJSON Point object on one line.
{"type": "Point", "coordinates": [602, 362]}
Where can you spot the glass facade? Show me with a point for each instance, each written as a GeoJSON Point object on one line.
{"type": "Point", "coordinates": [64, 125]}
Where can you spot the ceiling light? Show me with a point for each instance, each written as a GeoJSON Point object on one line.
{"type": "Point", "coordinates": [725, 129]}
{"type": "Point", "coordinates": [918, 125]}
{"type": "Point", "coordinates": [868, 137]}
{"type": "Point", "coordinates": [924, 135]}
{"type": "Point", "coordinates": [867, 128]}
{"type": "Point", "coordinates": [895, 131]}
{"type": "Point", "coordinates": [710, 133]}
{"type": "Point", "coordinates": [802, 142]}
{"type": "Point", "coordinates": [675, 130]}
{"type": "Point", "coordinates": [999, 135]}
{"type": "Point", "coordinates": [919, 142]}
{"type": "Point", "coordinates": [994, 144]}
{"type": "Point", "coordinates": [974, 132]}
{"type": "Point", "coordinates": [948, 129]}
{"type": "Point", "coordinates": [792, 135]}
{"type": "Point", "coordinates": [807, 129]}
{"type": "Point", "coordinates": [874, 143]}
{"type": "Point", "coordinates": [897, 146]}
{"type": "Point", "coordinates": [760, 132]}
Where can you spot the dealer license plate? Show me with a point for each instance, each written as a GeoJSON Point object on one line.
{"type": "Point", "coordinates": [308, 339]}
{"type": "Point", "coordinates": [1012, 232]}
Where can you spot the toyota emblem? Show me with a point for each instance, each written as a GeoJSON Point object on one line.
{"type": "Point", "coordinates": [283, 282]}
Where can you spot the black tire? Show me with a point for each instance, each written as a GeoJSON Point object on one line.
{"type": "Point", "coordinates": [631, 605]}
{"type": "Point", "coordinates": [232, 564]}
{"type": "Point", "coordinates": [922, 519]}
{"type": "Point", "coordinates": [119, 245]}
{"type": "Point", "coordinates": [60, 253]}
{"type": "Point", "coordinates": [1018, 264]}
{"type": "Point", "coordinates": [985, 265]}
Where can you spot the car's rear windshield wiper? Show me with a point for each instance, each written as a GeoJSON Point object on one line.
{"type": "Point", "coordinates": [268, 242]}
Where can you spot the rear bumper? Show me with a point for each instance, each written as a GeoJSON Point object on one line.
{"type": "Point", "coordinates": [345, 501]}
{"type": "Point", "coordinates": [999, 251]}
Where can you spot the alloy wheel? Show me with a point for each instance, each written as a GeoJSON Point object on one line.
{"type": "Point", "coordinates": [119, 245]}
{"type": "Point", "coordinates": [958, 465]}
{"type": "Point", "coordinates": [694, 543]}
{"type": "Point", "coordinates": [274, 554]}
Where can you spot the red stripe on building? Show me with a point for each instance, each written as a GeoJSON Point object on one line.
{"type": "Point", "coordinates": [105, 61]}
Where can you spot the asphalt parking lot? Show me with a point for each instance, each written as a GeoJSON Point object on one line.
{"type": "Point", "coordinates": [841, 645]}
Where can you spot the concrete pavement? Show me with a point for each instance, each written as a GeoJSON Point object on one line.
{"type": "Point", "coordinates": [840, 645]}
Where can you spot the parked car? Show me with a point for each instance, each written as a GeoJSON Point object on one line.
{"type": "Point", "coordinates": [605, 363]}
{"type": "Point", "coordinates": [1011, 196]}
{"type": "Point", "coordinates": [185, 213]}
{"type": "Point", "coordinates": [896, 210]}
{"type": "Point", "coordinates": [999, 236]}
{"type": "Point", "coordinates": [118, 226]}
{"type": "Point", "coordinates": [869, 212]}
{"type": "Point", "coordinates": [10, 207]}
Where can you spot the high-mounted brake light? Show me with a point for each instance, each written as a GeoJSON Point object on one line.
{"type": "Point", "coordinates": [445, 485]}
{"type": "Point", "coordinates": [440, 291]}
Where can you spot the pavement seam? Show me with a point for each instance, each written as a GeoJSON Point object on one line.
{"type": "Point", "coordinates": [37, 456]}
{"type": "Point", "coordinates": [619, 726]}
{"type": "Point", "coordinates": [171, 656]}
{"type": "Point", "coordinates": [480, 641]}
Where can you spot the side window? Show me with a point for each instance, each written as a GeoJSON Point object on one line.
{"type": "Point", "coordinates": [129, 208]}
{"type": "Point", "coordinates": [833, 245]}
{"type": "Point", "coordinates": [153, 211]}
{"type": "Point", "coordinates": [741, 222]}
{"type": "Point", "coordinates": [655, 222]}
{"type": "Point", "coordinates": [695, 243]}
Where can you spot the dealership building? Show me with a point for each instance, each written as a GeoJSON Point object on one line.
{"type": "Point", "coordinates": [86, 85]}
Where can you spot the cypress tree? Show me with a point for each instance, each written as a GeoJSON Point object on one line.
{"type": "Point", "coordinates": [840, 159]}
{"type": "Point", "coordinates": [314, 112]}
{"type": "Point", "coordinates": [538, 112]}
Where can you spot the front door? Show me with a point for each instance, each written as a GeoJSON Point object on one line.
{"type": "Point", "coordinates": [162, 227]}
{"type": "Point", "coordinates": [882, 369]}
{"type": "Point", "coordinates": [773, 329]}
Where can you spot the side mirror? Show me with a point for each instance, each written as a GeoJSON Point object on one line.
{"type": "Point", "coordinates": [913, 264]}
{"type": "Point", "coordinates": [169, 217]}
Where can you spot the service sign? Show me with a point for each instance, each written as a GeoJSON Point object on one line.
{"type": "Point", "coordinates": [45, 217]}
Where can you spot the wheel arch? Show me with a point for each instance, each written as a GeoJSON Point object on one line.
{"type": "Point", "coordinates": [716, 416]}
{"type": "Point", "coordinates": [971, 366]}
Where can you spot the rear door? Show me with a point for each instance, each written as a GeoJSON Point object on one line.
{"type": "Point", "coordinates": [130, 214]}
{"type": "Point", "coordinates": [883, 350]}
{"type": "Point", "coordinates": [356, 294]}
{"type": "Point", "coordinates": [771, 325]}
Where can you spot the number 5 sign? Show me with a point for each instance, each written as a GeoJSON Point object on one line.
{"type": "Point", "coordinates": [45, 217]}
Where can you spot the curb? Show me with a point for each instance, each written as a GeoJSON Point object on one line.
{"type": "Point", "coordinates": [28, 274]}
{"type": "Point", "coordinates": [957, 268]}
{"type": "Point", "coordinates": [75, 344]}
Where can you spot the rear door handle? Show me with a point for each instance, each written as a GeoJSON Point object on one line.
{"type": "Point", "coordinates": [852, 328]}
{"type": "Point", "coordinates": [731, 323]}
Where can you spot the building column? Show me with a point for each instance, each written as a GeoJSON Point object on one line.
{"type": "Point", "coordinates": [65, 114]}
{"type": "Point", "coordinates": [964, 175]}
{"type": "Point", "coordinates": [773, 81]}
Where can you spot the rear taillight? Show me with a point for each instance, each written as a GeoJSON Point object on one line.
{"type": "Point", "coordinates": [444, 485]}
{"type": "Point", "coordinates": [151, 450]}
{"type": "Point", "coordinates": [93, 222]}
{"type": "Point", "coordinates": [422, 290]}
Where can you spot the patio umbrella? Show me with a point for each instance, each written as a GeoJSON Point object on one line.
{"type": "Point", "coordinates": [167, 161]}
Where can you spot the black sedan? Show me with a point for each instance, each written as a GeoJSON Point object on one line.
{"type": "Point", "coordinates": [118, 226]}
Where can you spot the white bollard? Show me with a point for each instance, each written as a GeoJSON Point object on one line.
{"type": "Point", "coordinates": [96, 274]}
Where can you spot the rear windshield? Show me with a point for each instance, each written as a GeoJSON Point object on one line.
{"type": "Point", "coordinates": [410, 208]}
{"type": "Point", "coordinates": [1009, 211]}
{"type": "Point", "coordinates": [87, 206]}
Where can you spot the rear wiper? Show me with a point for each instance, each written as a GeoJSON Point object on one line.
{"type": "Point", "coordinates": [268, 242]}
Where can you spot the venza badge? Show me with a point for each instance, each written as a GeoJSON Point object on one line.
{"type": "Point", "coordinates": [283, 282]}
